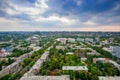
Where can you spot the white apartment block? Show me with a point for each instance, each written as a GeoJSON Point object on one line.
{"type": "Point", "coordinates": [109, 77]}
{"type": "Point", "coordinates": [84, 68]}
{"type": "Point", "coordinates": [62, 77]}
{"type": "Point", "coordinates": [72, 40]}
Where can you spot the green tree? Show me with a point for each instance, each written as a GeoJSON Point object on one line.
{"type": "Point", "coordinates": [10, 60]}
{"type": "Point", "coordinates": [94, 77]}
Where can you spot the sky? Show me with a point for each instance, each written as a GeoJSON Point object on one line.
{"type": "Point", "coordinates": [60, 15]}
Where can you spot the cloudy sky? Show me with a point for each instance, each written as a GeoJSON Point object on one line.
{"type": "Point", "coordinates": [59, 15]}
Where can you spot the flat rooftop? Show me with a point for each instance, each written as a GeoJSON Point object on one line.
{"type": "Point", "coordinates": [75, 68]}
{"type": "Point", "coordinates": [62, 77]}
{"type": "Point", "coordinates": [109, 77]}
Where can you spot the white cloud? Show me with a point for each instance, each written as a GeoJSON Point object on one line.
{"type": "Point", "coordinates": [35, 11]}
{"type": "Point", "coordinates": [117, 7]}
{"type": "Point", "coordinates": [56, 18]}
{"type": "Point", "coordinates": [38, 8]}
{"type": "Point", "coordinates": [78, 2]}
{"type": "Point", "coordinates": [4, 20]}
{"type": "Point", "coordinates": [90, 23]}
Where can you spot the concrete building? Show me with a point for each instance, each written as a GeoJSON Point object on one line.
{"type": "Point", "coordinates": [89, 40]}
{"type": "Point", "coordinates": [115, 64]}
{"type": "Point", "coordinates": [76, 47]}
{"type": "Point", "coordinates": [83, 58]}
{"type": "Point", "coordinates": [6, 51]}
{"type": "Point", "coordinates": [97, 39]}
{"type": "Point", "coordinates": [101, 59]}
{"type": "Point", "coordinates": [69, 53]}
{"type": "Point", "coordinates": [62, 77]}
{"type": "Point", "coordinates": [106, 42]}
{"type": "Point", "coordinates": [34, 40]}
{"type": "Point", "coordinates": [35, 48]}
{"type": "Point", "coordinates": [116, 51]}
{"type": "Point", "coordinates": [80, 39]}
{"type": "Point", "coordinates": [14, 67]}
{"type": "Point", "coordinates": [107, 60]}
{"type": "Point", "coordinates": [84, 68]}
{"type": "Point", "coordinates": [72, 40]}
{"type": "Point", "coordinates": [109, 77]}
{"type": "Point", "coordinates": [62, 40]}
{"type": "Point", "coordinates": [45, 55]}
{"type": "Point", "coordinates": [60, 47]}
{"type": "Point", "coordinates": [10, 69]}
{"type": "Point", "coordinates": [110, 49]}
{"type": "Point", "coordinates": [36, 67]}
{"type": "Point", "coordinates": [93, 53]}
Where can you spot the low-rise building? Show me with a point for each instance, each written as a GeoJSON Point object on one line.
{"type": "Point", "coordinates": [115, 64]}
{"type": "Point", "coordinates": [60, 47]}
{"type": "Point", "coordinates": [92, 53]}
{"type": "Point", "coordinates": [62, 40]}
{"type": "Point", "coordinates": [62, 77]}
{"type": "Point", "coordinates": [6, 51]}
{"type": "Point", "coordinates": [69, 53]}
{"type": "Point", "coordinates": [84, 68]}
{"type": "Point", "coordinates": [110, 49]}
{"type": "Point", "coordinates": [89, 39]}
{"type": "Point", "coordinates": [109, 77]}
{"type": "Point", "coordinates": [107, 60]}
{"type": "Point", "coordinates": [14, 67]}
{"type": "Point", "coordinates": [83, 58]}
{"type": "Point", "coordinates": [72, 40]}
{"type": "Point", "coordinates": [77, 47]}
{"type": "Point", "coordinates": [34, 40]}
{"type": "Point", "coordinates": [80, 39]}
{"type": "Point", "coordinates": [101, 59]}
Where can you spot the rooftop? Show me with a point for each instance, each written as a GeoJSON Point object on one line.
{"type": "Point", "coordinates": [75, 68]}
{"type": "Point", "coordinates": [62, 77]}
{"type": "Point", "coordinates": [109, 77]}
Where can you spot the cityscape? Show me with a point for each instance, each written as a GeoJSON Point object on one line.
{"type": "Point", "coordinates": [59, 39]}
{"type": "Point", "coordinates": [60, 56]}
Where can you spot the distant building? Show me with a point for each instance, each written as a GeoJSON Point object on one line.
{"type": "Point", "coordinates": [72, 40]}
{"type": "Point", "coordinates": [106, 42]}
{"type": "Point", "coordinates": [6, 51]}
{"type": "Point", "coordinates": [110, 49]}
{"type": "Point", "coordinates": [89, 39]}
{"type": "Point", "coordinates": [80, 39]}
{"type": "Point", "coordinates": [116, 51]}
{"type": "Point", "coordinates": [101, 59]}
{"type": "Point", "coordinates": [77, 47]}
{"type": "Point", "coordinates": [62, 40]}
{"type": "Point", "coordinates": [60, 47]}
{"type": "Point", "coordinates": [92, 53]}
{"type": "Point", "coordinates": [34, 40]}
{"type": "Point", "coordinates": [97, 39]}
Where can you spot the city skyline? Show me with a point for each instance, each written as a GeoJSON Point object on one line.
{"type": "Point", "coordinates": [59, 15]}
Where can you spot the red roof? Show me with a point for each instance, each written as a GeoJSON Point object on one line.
{"type": "Point", "coordinates": [2, 52]}
{"type": "Point", "coordinates": [107, 59]}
